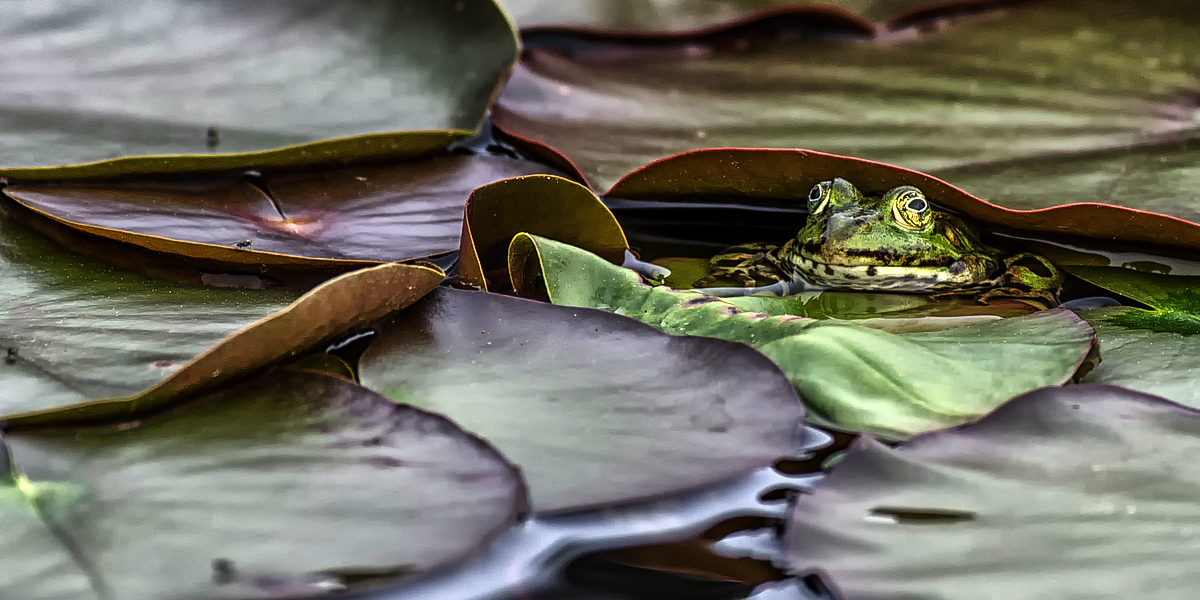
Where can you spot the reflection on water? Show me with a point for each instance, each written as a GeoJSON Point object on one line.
{"type": "Point", "coordinates": [528, 561]}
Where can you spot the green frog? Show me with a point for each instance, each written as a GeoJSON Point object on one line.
{"type": "Point", "coordinates": [895, 242]}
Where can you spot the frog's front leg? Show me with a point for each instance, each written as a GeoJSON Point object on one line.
{"type": "Point", "coordinates": [1028, 276]}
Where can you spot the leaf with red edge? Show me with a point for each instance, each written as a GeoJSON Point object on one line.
{"type": "Point", "coordinates": [780, 179]}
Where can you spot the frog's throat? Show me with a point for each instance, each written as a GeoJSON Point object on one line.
{"type": "Point", "coordinates": [882, 277]}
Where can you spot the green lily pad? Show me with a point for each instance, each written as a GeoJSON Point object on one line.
{"type": "Point", "coordinates": [1154, 351]}
{"type": "Point", "coordinates": [271, 82]}
{"type": "Point", "coordinates": [352, 216]}
{"type": "Point", "coordinates": [1038, 79]}
{"type": "Point", "coordinates": [74, 329]}
{"type": "Point", "coordinates": [1073, 492]}
{"type": "Point", "coordinates": [852, 377]}
{"type": "Point", "coordinates": [267, 489]}
{"type": "Point", "coordinates": [595, 408]}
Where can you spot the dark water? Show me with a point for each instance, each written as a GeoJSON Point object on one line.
{"type": "Point", "coordinates": [553, 557]}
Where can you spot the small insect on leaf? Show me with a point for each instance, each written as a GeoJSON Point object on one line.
{"type": "Point", "coordinates": [244, 243]}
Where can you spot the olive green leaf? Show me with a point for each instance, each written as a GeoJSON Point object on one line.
{"type": "Point", "coordinates": [75, 329]}
{"type": "Point", "coordinates": [1041, 81]}
{"type": "Point", "coordinates": [1073, 492]}
{"type": "Point", "coordinates": [271, 488]}
{"type": "Point", "coordinates": [852, 377]}
{"type": "Point", "coordinates": [227, 84]}
{"type": "Point", "coordinates": [346, 217]}
{"type": "Point", "coordinates": [595, 408]}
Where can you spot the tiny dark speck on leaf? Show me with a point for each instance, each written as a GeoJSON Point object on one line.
{"type": "Point", "coordinates": [214, 138]}
{"type": "Point", "coordinates": [1075, 406]}
{"type": "Point", "coordinates": [223, 571]}
{"type": "Point", "coordinates": [386, 462]}
{"type": "Point", "coordinates": [10, 358]}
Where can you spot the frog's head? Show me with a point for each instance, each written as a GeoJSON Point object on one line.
{"type": "Point", "coordinates": [894, 241]}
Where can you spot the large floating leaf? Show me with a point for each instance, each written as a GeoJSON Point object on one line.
{"type": "Point", "coordinates": [595, 408]}
{"type": "Point", "coordinates": [1155, 351]}
{"type": "Point", "coordinates": [1033, 79]}
{"type": "Point", "coordinates": [1074, 492]}
{"type": "Point", "coordinates": [778, 179]}
{"type": "Point", "coordinates": [855, 377]}
{"type": "Point", "coordinates": [354, 215]}
{"type": "Point", "coordinates": [75, 329]}
{"type": "Point", "coordinates": [259, 491]}
{"type": "Point", "coordinates": [92, 82]}
{"type": "Point", "coordinates": [641, 15]}
{"type": "Point", "coordinates": [539, 204]}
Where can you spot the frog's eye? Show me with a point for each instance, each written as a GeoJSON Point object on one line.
{"type": "Point", "coordinates": [911, 209]}
{"type": "Point", "coordinates": [818, 197]}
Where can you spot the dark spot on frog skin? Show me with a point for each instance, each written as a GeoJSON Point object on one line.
{"type": "Point", "coordinates": [10, 358]}
{"type": "Point", "coordinates": [958, 268]}
{"type": "Point", "coordinates": [731, 310]}
{"type": "Point", "coordinates": [214, 138]}
{"type": "Point", "coordinates": [828, 270]}
{"type": "Point", "coordinates": [872, 271]}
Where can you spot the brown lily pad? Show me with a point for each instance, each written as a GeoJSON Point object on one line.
{"type": "Point", "coordinates": [543, 205]}
{"type": "Point", "coordinates": [343, 303]}
{"type": "Point", "coordinates": [350, 216]}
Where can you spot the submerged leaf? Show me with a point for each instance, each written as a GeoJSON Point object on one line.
{"type": "Point", "coordinates": [198, 81]}
{"type": "Point", "coordinates": [267, 489]}
{"type": "Point", "coordinates": [1073, 492]}
{"type": "Point", "coordinates": [594, 408]}
{"type": "Point", "coordinates": [855, 377]}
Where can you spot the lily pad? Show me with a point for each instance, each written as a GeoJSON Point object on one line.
{"type": "Point", "coordinates": [75, 329]}
{"type": "Point", "coordinates": [351, 216]}
{"type": "Point", "coordinates": [850, 376]}
{"type": "Point", "coordinates": [229, 84]}
{"type": "Point", "coordinates": [595, 408]}
{"type": "Point", "coordinates": [779, 180]}
{"type": "Point", "coordinates": [541, 204]}
{"type": "Point", "coordinates": [955, 87]}
{"type": "Point", "coordinates": [1073, 492]}
{"type": "Point", "coordinates": [640, 16]}
{"type": "Point", "coordinates": [1155, 351]}
{"type": "Point", "coordinates": [267, 489]}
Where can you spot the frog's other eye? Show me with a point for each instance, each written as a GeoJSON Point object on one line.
{"type": "Point", "coordinates": [818, 198]}
{"type": "Point", "coordinates": [910, 208]}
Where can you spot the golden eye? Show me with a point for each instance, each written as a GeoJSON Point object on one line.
{"type": "Point", "coordinates": [818, 197]}
{"type": "Point", "coordinates": [912, 211]}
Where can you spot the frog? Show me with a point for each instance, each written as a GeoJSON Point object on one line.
{"type": "Point", "coordinates": [892, 242]}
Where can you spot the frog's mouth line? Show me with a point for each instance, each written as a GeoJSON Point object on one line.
{"type": "Point", "coordinates": [886, 277]}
